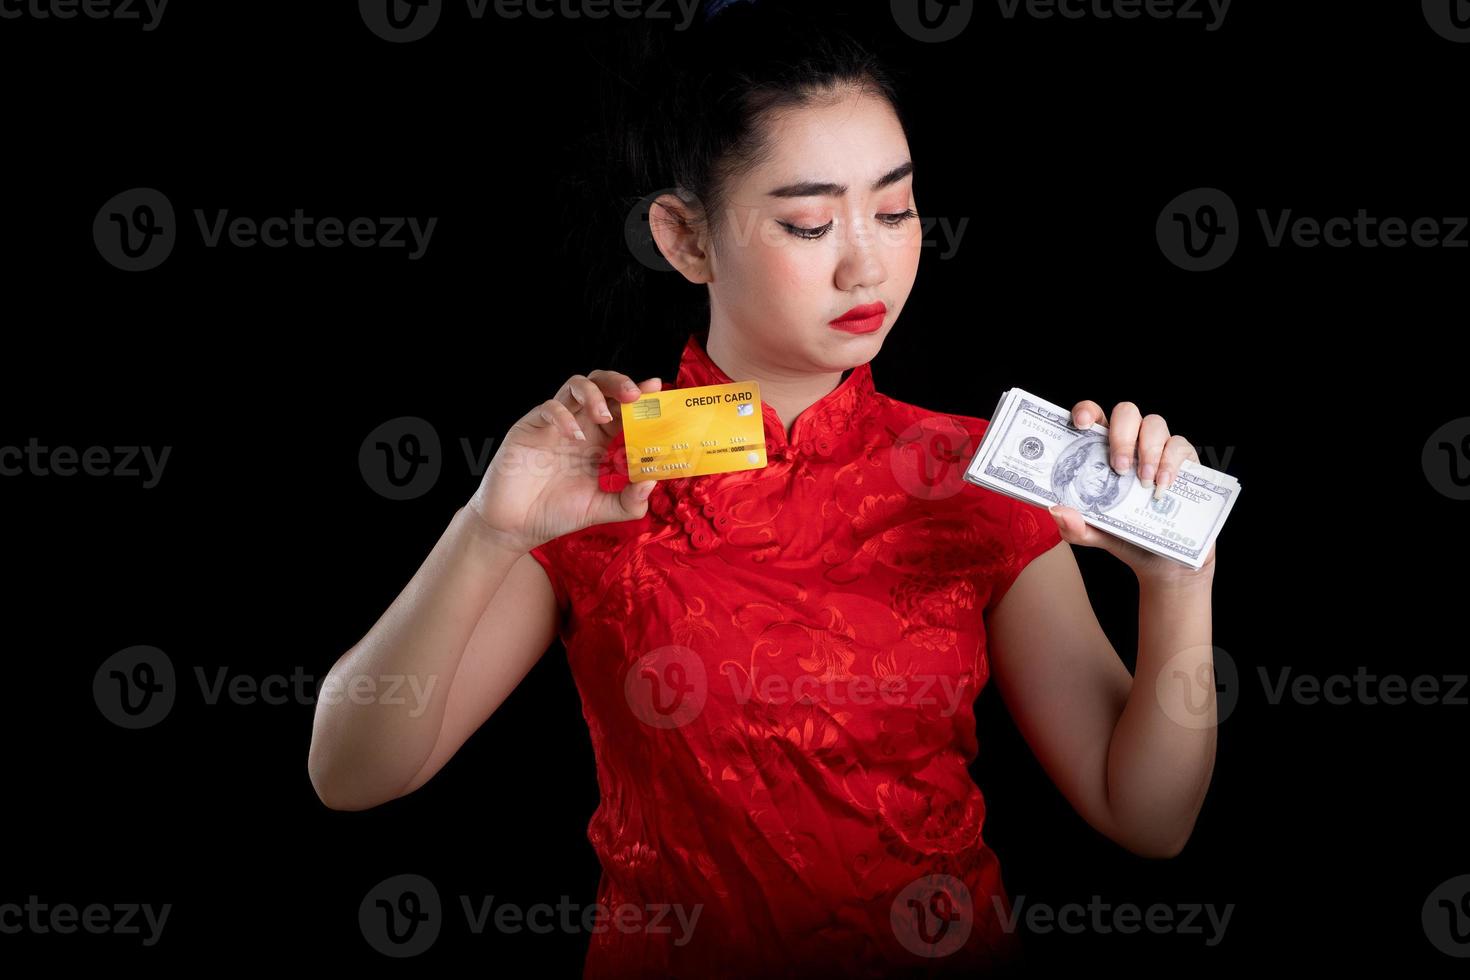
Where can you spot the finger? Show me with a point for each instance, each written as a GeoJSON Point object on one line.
{"type": "Point", "coordinates": [556, 415]}
{"type": "Point", "coordinates": [618, 385]}
{"type": "Point", "coordinates": [1152, 436]}
{"type": "Point", "coordinates": [628, 504]}
{"type": "Point", "coordinates": [582, 397]}
{"type": "Point", "coordinates": [644, 388]}
{"type": "Point", "coordinates": [1176, 451]}
{"type": "Point", "coordinates": [1074, 530]}
{"type": "Point", "coordinates": [1123, 435]}
{"type": "Point", "coordinates": [592, 397]}
{"type": "Point", "coordinates": [1084, 413]}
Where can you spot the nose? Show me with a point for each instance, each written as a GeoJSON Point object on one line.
{"type": "Point", "coordinates": [861, 263]}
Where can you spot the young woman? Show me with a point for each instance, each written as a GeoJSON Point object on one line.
{"type": "Point", "coordinates": [778, 666]}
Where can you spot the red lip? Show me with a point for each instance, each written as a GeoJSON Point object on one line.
{"type": "Point", "coordinates": [863, 312]}
{"type": "Point", "coordinates": [862, 319]}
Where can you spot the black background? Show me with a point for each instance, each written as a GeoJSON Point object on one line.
{"type": "Point", "coordinates": [1321, 372]}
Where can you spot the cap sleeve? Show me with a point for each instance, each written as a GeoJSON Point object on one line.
{"type": "Point", "coordinates": [1030, 531]}
{"type": "Point", "coordinates": [549, 555]}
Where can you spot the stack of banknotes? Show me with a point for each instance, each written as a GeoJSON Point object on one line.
{"type": "Point", "coordinates": [1032, 452]}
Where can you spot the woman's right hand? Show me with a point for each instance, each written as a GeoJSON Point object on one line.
{"type": "Point", "coordinates": [542, 482]}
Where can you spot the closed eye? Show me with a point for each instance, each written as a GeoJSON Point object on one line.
{"type": "Point", "coordinates": [812, 234]}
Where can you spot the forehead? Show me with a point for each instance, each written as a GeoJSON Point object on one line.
{"type": "Point", "coordinates": [850, 137]}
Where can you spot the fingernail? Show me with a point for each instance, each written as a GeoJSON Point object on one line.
{"type": "Point", "coordinates": [1159, 489]}
{"type": "Point", "coordinates": [659, 380]}
{"type": "Point", "coordinates": [1146, 475]}
{"type": "Point", "coordinates": [1120, 463]}
{"type": "Point", "coordinates": [647, 488]}
{"type": "Point", "coordinates": [605, 414]}
{"type": "Point", "coordinates": [631, 386]}
{"type": "Point", "coordinates": [579, 433]}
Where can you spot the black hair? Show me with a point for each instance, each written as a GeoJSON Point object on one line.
{"type": "Point", "coordinates": [686, 107]}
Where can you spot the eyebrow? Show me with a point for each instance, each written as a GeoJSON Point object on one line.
{"type": "Point", "coordinates": [814, 188]}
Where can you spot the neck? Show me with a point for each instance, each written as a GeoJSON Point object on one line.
{"type": "Point", "coordinates": [788, 392]}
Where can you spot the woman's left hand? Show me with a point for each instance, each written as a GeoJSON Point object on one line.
{"type": "Point", "coordinates": [1159, 454]}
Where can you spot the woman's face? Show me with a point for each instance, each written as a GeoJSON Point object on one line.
{"type": "Point", "coordinates": [827, 223]}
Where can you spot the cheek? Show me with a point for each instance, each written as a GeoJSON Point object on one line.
{"type": "Point", "coordinates": [910, 251]}
{"type": "Point", "coordinates": [785, 272]}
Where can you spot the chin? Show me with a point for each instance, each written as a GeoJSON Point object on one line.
{"type": "Point", "coordinates": [843, 351]}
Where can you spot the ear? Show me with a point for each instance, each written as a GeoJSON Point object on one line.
{"type": "Point", "coordinates": [676, 225]}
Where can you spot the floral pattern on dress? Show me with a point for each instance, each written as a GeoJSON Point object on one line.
{"type": "Point", "coordinates": [836, 621]}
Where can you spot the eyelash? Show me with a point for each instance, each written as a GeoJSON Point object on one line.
{"type": "Point", "coordinates": [812, 234]}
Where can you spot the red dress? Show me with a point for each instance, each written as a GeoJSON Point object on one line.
{"type": "Point", "coordinates": [778, 669]}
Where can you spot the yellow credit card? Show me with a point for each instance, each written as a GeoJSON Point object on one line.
{"type": "Point", "coordinates": [695, 431]}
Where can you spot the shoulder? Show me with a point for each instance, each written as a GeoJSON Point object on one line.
{"type": "Point", "coordinates": [946, 443]}
{"type": "Point", "coordinates": [896, 413]}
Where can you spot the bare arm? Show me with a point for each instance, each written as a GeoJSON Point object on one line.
{"type": "Point", "coordinates": [371, 742]}
{"type": "Point", "coordinates": [1109, 741]}
{"type": "Point", "coordinates": [480, 610]}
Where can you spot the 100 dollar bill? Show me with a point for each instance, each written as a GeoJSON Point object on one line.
{"type": "Point", "coordinates": [1031, 451]}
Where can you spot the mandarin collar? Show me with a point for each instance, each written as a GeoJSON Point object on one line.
{"type": "Point", "coordinates": [814, 429]}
